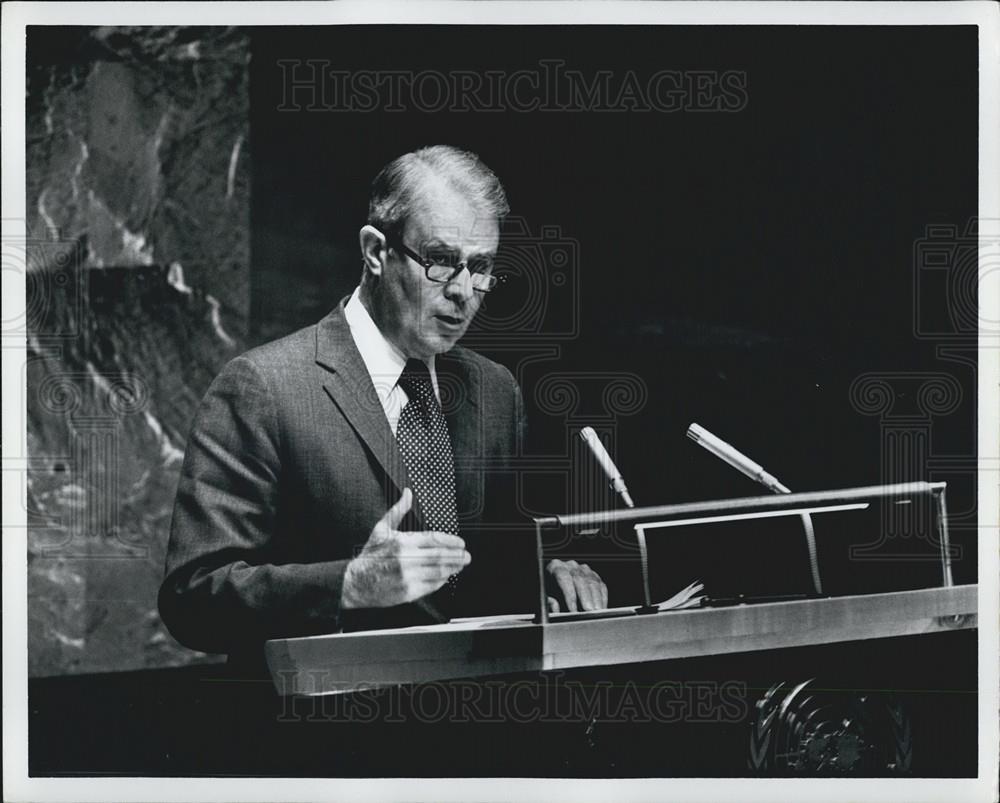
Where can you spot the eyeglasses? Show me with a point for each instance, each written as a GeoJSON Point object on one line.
{"type": "Point", "coordinates": [443, 266]}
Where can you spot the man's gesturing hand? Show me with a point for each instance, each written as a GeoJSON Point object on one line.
{"type": "Point", "coordinates": [396, 567]}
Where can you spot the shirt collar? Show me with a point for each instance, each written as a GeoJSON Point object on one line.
{"type": "Point", "coordinates": [383, 360]}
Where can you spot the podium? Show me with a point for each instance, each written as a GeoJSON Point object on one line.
{"type": "Point", "coordinates": [809, 716]}
{"type": "Point", "coordinates": [539, 641]}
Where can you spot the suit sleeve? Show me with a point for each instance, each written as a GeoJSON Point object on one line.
{"type": "Point", "coordinates": [222, 589]}
{"type": "Point", "coordinates": [512, 560]}
{"type": "Point", "coordinates": [520, 421]}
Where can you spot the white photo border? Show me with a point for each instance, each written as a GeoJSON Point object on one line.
{"type": "Point", "coordinates": [17, 15]}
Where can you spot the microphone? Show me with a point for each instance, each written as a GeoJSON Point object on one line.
{"type": "Point", "coordinates": [607, 464]}
{"type": "Point", "coordinates": [735, 458]}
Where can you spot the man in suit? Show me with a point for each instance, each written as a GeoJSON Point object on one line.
{"type": "Point", "coordinates": [357, 473]}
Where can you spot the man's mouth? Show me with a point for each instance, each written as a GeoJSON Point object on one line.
{"type": "Point", "coordinates": [451, 320]}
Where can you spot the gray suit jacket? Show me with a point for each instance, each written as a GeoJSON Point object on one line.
{"type": "Point", "coordinates": [290, 464]}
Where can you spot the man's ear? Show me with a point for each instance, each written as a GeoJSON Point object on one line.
{"type": "Point", "coordinates": [372, 249]}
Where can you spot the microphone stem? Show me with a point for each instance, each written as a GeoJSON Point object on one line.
{"type": "Point", "coordinates": [746, 466]}
{"type": "Point", "coordinates": [807, 525]}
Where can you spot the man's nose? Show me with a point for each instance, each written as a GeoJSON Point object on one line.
{"type": "Point", "coordinates": [459, 288]}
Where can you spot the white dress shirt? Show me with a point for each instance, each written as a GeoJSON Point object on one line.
{"type": "Point", "coordinates": [383, 360]}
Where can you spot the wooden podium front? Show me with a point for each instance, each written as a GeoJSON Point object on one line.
{"type": "Point", "coordinates": [829, 681]}
{"type": "Point", "coordinates": [350, 662]}
{"type": "Point", "coordinates": [346, 662]}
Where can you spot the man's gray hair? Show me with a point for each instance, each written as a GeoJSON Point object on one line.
{"type": "Point", "coordinates": [394, 188]}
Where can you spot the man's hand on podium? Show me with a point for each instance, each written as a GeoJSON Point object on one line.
{"type": "Point", "coordinates": [582, 588]}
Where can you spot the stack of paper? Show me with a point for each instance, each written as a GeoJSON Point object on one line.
{"type": "Point", "coordinates": [689, 597]}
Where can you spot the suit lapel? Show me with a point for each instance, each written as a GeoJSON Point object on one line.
{"type": "Point", "coordinates": [350, 388]}
{"type": "Point", "coordinates": [460, 386]}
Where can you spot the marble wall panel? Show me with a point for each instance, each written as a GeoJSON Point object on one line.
{"type": "Point", "coordinates": [138, 149]}
{"type": "Point", "coordinates": [137, 293]}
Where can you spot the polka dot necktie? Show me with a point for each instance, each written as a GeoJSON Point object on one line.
{"type": "Point", "coordinates": [422, 434]}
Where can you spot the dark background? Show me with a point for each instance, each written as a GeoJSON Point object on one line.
{"type": "Point", "coordinates": [746, 266]}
